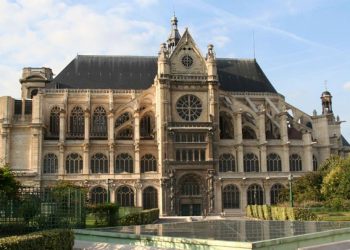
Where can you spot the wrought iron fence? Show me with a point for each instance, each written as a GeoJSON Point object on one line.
{"type": "Point", "coordinates": [43, 208]}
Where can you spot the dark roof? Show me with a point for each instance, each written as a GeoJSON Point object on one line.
{"type": "Point", "coordinates": [137, 72]}
{"type": "Point", "coordinates": [344, 141]}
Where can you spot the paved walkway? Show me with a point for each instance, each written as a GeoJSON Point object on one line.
{"type": "Point", "coordinates": [88, 245]}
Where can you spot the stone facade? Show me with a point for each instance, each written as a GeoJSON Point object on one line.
{"type": "Point", "coordinates": [183, 144]}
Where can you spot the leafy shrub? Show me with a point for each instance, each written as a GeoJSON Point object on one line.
{"type": "Point", "coordinates": [59, 239]}
{"type": "Point", "coordinates": [15, 229]}
{"type": "Point", "coordinates": [338, 204]}
{"type": "Point", "coordinates": [105, 213]}
{"type": "Point", "coordinates": [267, 212]}
{"type": "Point", "coordinates": [144, 217]}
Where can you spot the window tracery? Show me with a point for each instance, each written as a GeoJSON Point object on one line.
{"type": "Point", "coordinates": [124, 163]}
{"type": "Point", "coordinates": [50, 164]}
{"type": "Point", "coordinates": [99, 164]}
{"type": "Point", "coordinates": [227, 163]}
{"type": "Point", "coordinates": [189, 107]}
{"type": "Point", "coordinates": [148, 163]}
{"type": "Point", "coordinates": [74, 164]}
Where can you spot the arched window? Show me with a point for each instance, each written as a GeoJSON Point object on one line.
{"type": "Point", "coordinates": [150, 198]}
{"type": "Point", "coordinates": [275, 193]}
{"type": "Point", "coordinates": [77, 122]}
{"type": "Point", "coordinates": [123, 118]}
{"type": "Point", "coordinates": [248, 133]}
{"type": "Point", "coordinates": [55, 121]}
{"type": "Point", "coordinates": [255, 195]}
{"type": "Point", "coordinates": [98, 195]}
{"type": "Point", "coordinates": [50, 164]}
{"type": "Point", "coordinates": [227, 163]}
{"type": "Point", "coordinates": [125, 134]}
{"type": "Point", "coordinates": [146, 126]}
{"type": "Point", "coordinates": [295, 163]}
{"type": "Point", "coordinates": [314, 163]}
{"type": "Point", "coordinates": [125, 196]}
{"type": "Point", "coordinates": [124, 163]}
{"type": "Point", "coordinates": [230, 197]}
{"type": "Point", "coordinates": [251, 163]}
{"type": "Point", "coordinates": [99, 164]}
{"type": "Point", "coordinates": [190, 186]}
{"type": "Point", "coordinates": [74, 164]}
{"type": "Point", "coordinates": [226, 126]}
{"type": "Point", "coordinates": [274, 163]}
{"type": "Point", "coordinates": [99, 123]}
{"type": "Point", "coordinates": [148, 163]}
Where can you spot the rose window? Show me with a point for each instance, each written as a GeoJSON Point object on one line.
{"type": "Point", "coordinates": [189, 107]}
{"type": "Point", "coordinates": [187, 61]}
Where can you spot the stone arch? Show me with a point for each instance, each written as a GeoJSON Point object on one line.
{"type": "Point", "coordinates": [226, 125]}
{"type": "Point", "coordinates": [191, 195]}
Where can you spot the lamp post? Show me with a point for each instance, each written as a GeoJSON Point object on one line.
{"type": "Point", "coordinates": [290, 179]}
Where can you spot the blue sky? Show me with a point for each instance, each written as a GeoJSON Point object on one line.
{"type": "Point", "coordinates": [299, 44]}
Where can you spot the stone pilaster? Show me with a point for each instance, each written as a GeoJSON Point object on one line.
{"type": "Point", "coordinates": [61, 160]}
{"type": "Point", "coordinates": [87, 126]}
{"type": "Point", "coordinates": [307, 159]}
{"type": "Point", "coordinates": [137, 141]}
{"type": "Point", "coordinates": [62, 135]}
{"type": "Point", "coordinates": [86, 158]}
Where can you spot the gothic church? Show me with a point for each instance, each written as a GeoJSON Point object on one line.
{"type": "Point", "coordinates": [188, 133]}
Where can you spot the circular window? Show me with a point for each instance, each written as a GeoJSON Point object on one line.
{"type": "Point", "coordinates": [187, 61]}
{"type": "Point", "coordinates": [189, 107]}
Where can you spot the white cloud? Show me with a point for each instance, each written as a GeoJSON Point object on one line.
{"type": "Point", "coordinates": [347, 86]}
{"type": "Point", "coordinates": [33, 35]}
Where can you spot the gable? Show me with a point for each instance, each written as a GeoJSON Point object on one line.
{"type": "Point", "coordinates": [186, 58]}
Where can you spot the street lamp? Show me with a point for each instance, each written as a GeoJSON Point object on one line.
{"type": "Point", "coordinates": [290, 179]}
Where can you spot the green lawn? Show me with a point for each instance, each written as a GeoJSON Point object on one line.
{"type": "Point", "coordinates": [333, 216]}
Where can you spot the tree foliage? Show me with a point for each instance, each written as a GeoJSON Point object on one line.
{"type": "Point", "coordinates": [308, 187]}
{"type": "Point", "coordinates": [8, 184]}
{"type": "Point", "coordinates": [336, 180]}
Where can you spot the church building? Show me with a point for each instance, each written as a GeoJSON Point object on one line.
{"type": "Point", "coordinates": [188, 133]}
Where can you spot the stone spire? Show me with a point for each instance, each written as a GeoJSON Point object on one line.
{"type": "Point", "coordinates": [174, 36]}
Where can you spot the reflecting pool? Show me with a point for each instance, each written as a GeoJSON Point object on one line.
{"type": "Point", "coordinates": [230, 230]}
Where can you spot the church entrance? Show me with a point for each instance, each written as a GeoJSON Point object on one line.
{"type": "Point", "coordinates": [191, 209]}
{"type": "Point", "coordinates": [191, 198]}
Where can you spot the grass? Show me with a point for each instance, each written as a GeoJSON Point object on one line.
{"type": "Point", "coordinates": [333, 215]}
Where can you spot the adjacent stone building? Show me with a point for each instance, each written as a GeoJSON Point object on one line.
{"type": "Point", "coordinates": [188, 133]}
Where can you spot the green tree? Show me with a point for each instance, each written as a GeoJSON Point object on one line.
{"type": "Point", "coordinates": [8, 184]}
{"type": "Point", "coordinates": [308, 187]}
{"type": "Point", "coordinates": [336, 181]}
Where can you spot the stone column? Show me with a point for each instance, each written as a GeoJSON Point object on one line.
{"type": "Point", "coordinates": [243, 190]}
{"type": "Point", "coordinates": [267, 188]}
{"type": "Point", "coordinates": [112, 194]}
{"type": "Point", "coordinates": [111, 158]}
{"type": "Point", "coordinates": [86, 159]}
{"type": "Point", "coordinates": [238, 127]}
{"type": "Point", "coordinates": [218, 195]}
{"type": "Point", "coordinates": [87, 126]}
{"type": "Point", "coordinates": [61, 161]}
{"type": "Point", "coordinates": [111, 127]}
{"type": "Point", "coordinates": [307, 157]}
{"type": "Point", "coordinates": [263, 163]}
{"type": "Point", "coordinates": [211, 194]}
{"type": "Point", "coordinates": [62, 135]}
{"type": "Point", "coordinates": [138, 187]}
{"type": "Point", "coordinates": [210, 146]}
{"type": "Point", "coordinates": [239, 140]}
{"type": "Point", "coordinates": [5, 146]}
{"type": "Point", "coordinates": [284, 141]}
{"type": "Point", "coordinates": [137, 141]}
{"type": "Point", "coordinates": [240, 167]}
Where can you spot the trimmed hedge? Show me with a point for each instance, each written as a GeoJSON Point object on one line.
{"type": "Point", "coordinates": [266, 212]}
{"type": "Point", "coordinates": [105, 214]}
{"type": "Point", "coordinates": [58, 239]}
{"type": "Point", "coordinates": [143, 217]}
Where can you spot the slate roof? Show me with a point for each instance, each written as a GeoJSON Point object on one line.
{"type": "Point", "coordinates": [344, 141]}
{"type": "Point", "coordinates": [138, 72]}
